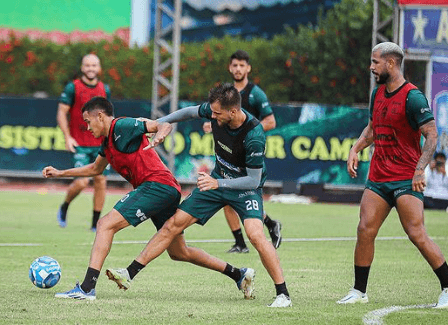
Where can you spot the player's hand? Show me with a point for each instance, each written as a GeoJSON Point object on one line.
{"type": "Point", "coordinates": [50, 172]}
{"type": "Point", "coordinates": [207, 127]}
{"type": "Point", "coordinates": [418, 181]}
{"type": "Point", "coordinates": [206, 182]}
{"type": "Point", "coordinates": [70, 144]}
{"type": "Point", "coordinates": [352, 163]}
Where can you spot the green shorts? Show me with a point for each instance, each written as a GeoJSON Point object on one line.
{"type": "Point", "coordinates": [391, 191]}
{"type": "Point", "coordinates": [203, 205]}
{"type": "Point", "coordinates": [150, 200]}
{"type": "Point", "coordinates": [87, 155]}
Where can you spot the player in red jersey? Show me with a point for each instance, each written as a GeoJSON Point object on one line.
{"type": "Point", "coordinates": [156, 195]}
{"type": "Point", "coordinates": [399, 115]}
{"type": "Point", "coordinates": [77, 139]}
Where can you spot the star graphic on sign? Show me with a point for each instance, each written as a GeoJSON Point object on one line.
{"type": "Point", "coordinates": [419, 23]}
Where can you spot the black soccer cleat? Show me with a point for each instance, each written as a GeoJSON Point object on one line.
{"type": "Point", "coordinates": [275, 233]}
{"type": "Point", "coordinates": [238, 249]}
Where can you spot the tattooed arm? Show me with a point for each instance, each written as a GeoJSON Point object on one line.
{"type": "Point", "coordinates": [364, 140]}
{"type": "Point", "coordinates": [429, 131]}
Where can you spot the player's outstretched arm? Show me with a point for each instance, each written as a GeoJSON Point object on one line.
{"type": "Point", "coordinates": [429, 131]}
{"type": "Point", "coordinates": [96, 168]}
{"type": "Point", "coordinates": [187, 113]}
{"type": "Point", "coordinates": [364, 140]}
{"type": "Point", "coordinates": [160, 131]}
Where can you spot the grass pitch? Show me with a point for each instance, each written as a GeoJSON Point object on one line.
{"type": "Point", "coordinates": [316, 256]}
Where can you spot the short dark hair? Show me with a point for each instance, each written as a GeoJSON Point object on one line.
{"type": "Point", "coordinates": [240, 55]}
{"type": "Point", "coordinates": [439, 155]}
{"type": "Point", "coordinates": [226, 94]}
{"type": "Point", "coordinates": [99, 103]}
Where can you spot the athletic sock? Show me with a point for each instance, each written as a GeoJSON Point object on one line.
{"type": "Point", "coordinates": [64, 208]}
{"type": "Point", "coordinates": [281, 288]}
{"type": "Point", "coordinates": [268, 222]}
{"type": "Point", "coordinates": [232, 272]}
{"type": "Point", "coordinates": [239, 239]}
{"type": "Point", "coordinates": [442, 274]}
{"type": "Point", "coordinates": [134, 268]}
{"type": "Point", "coordinates": [90, 280]}
{"type": "Point", "coordinates": [361, 276]}
{"type": "Point", "coordinates": [95, 218]}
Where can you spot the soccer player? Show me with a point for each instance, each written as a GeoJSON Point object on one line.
{"type": "Point", "coordinates": [78, 139]}
{"type": "Point", "coordinates": [156, 194]}
{"type": "Point", "coordinates": [399, 114]}
{"type": "Point", "coordinates": [236, 180]}
{"type": "Point", "coordinates": [255, 101]}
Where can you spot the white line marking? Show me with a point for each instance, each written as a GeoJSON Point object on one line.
{"type": "Point", "coordinates": [18, 244]}
{"type": "Point", "coordinates": [124, 242]}
{"type": "Point", "coordinates": [375, 317]}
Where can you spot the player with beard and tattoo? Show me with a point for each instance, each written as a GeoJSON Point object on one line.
{"type": "Point", "coordinates": [78, 139]}
{"type": "Point", "coordinates": [399, 115]}
{"type": "Point", "coordinates": [255, 101]}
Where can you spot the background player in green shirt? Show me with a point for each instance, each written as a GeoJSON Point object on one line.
{"type": "Point", "coordinates": [236, 180]}
{"type": "Point", "coordinates": [255, 101]}
{"type": "Point", "coordinates": [78, 139]}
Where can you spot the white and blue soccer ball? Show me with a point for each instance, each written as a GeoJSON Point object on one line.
{"type": "Point", "coordinates": [45, 272]}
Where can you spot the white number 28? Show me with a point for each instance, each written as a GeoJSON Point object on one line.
{"type": "Point", "coordinates": [251, 205]}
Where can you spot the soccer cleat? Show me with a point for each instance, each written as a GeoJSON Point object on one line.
{"type": "Point", "coordinates": [238, 249]}
{"type": "Point", "coordinates": [120, 277]}
{"type": "Point", "coordinates": [443, 299]}
{"type": "Point", "coordinates": [281, 300]}
{"type": "Point", "coordinates": [77, 293]}
{"type": "Point", "coordinates": [246, 282]}
{"type": "Point", "coordinates": [353, 297]}
{"type": "Point", "coordinates": [61, 216]}
{"type": "Point", "coordinates": [274, 232]}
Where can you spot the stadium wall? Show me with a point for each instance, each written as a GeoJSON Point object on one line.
{"type": "Point", "coordinates": [310, 144]}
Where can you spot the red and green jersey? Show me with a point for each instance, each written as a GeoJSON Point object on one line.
{"type": "Point", "coordinates": [396, 119]}
{"type": "Point", "coordinates": [76, 94]}
{"type": "Point", "coordinates": [123, 149]}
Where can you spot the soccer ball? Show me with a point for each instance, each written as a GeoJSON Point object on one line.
{"type": "Point", "coordinates": [45, 272]}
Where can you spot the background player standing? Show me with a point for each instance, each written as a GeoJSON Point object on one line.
{"type": "Point", "coordinates": [78, 139]}
{"type": "Point", "coordinates": [255, 101]}
{"type": "Point", "coordinates": [399, 115]}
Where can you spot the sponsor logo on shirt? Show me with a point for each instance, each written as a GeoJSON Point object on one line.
{"type": "Point", "coordinates": [256, 154]}
{"type": "Point", "coordinates": [425, 109]}
{"type": "Point", "coordinates": [224, 147]}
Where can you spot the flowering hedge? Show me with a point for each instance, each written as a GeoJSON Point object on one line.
{"type": "Point", "coordinates": [326, 64]}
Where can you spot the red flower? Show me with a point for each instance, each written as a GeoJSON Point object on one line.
{"type": "Point", "coordinates": [314, 79]}
{"type": "Point", "coordinates": [353, 80]}
{"type": "Point", "coordinates": [7, 47]}
{"type": "Point", "coordinates": [10, 59]}
{"type": "Point", "coordinates": [288, 63]}
{"type": "Point", "coordinates": [333, 83]}
{"type": "Point", "coordinates": [113, 73]}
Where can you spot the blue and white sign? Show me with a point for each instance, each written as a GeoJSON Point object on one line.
{"type": "Point", "coordinates": [426, 29]}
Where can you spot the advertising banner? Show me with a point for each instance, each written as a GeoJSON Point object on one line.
{"type": "Point", "coordinates": [426, 29]}
{"type": "Point", "coordinates": [310, 144]}
{"type": "Point", "coordinates": [440, 102]}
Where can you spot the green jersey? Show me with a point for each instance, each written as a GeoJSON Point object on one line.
{"type": "Point", "coordinates": [255, 101]}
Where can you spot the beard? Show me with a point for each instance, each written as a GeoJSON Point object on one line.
{"type": "Point", "coordinates": [382, 78]}
{"type": "Point", "coordinates": [238, 79]}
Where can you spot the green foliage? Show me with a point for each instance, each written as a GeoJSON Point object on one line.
{"type": "Point", "coordinates": [327, 63]}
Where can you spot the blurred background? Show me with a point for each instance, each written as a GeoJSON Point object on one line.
{"type": "Point", "coordinates": [311, 58]}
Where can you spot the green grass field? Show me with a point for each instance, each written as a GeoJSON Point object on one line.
{"type": "Point", "coordinates": [317, 272]}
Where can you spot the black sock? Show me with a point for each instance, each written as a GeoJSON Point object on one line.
{"type": "Point", "coordinates": [96, 216]}
{"type": "Point", "coordinates": [239, 239]}
{"type": "Point", "coordinates": [442, 274]}
{"type": "Point", "coordinates": [64, 207]}
{"type": "Point", "coordinates": [361, 276]}
{"type": "Point", "coordinates": [134, 268]}
{"type": "Point", "coordinates": [90, 280]}
{"type": "Point", "coordinates": [268, 222]}
{"type": "Point", "coordinates": [232, 272]}
{"type": "Point", "coordinates": [281, 288]}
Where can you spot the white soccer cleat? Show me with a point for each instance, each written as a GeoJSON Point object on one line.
{"type": "Point", "coordinates": [120, 277]}
{"type": "Point", "coordinates": [354, 296]}
{"type": "Point", "coordinates": [281, 301]}
{"type": "Point", "coordinates": [246, 282]}
{"type": "Point", "coordinates": [443, 299]}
